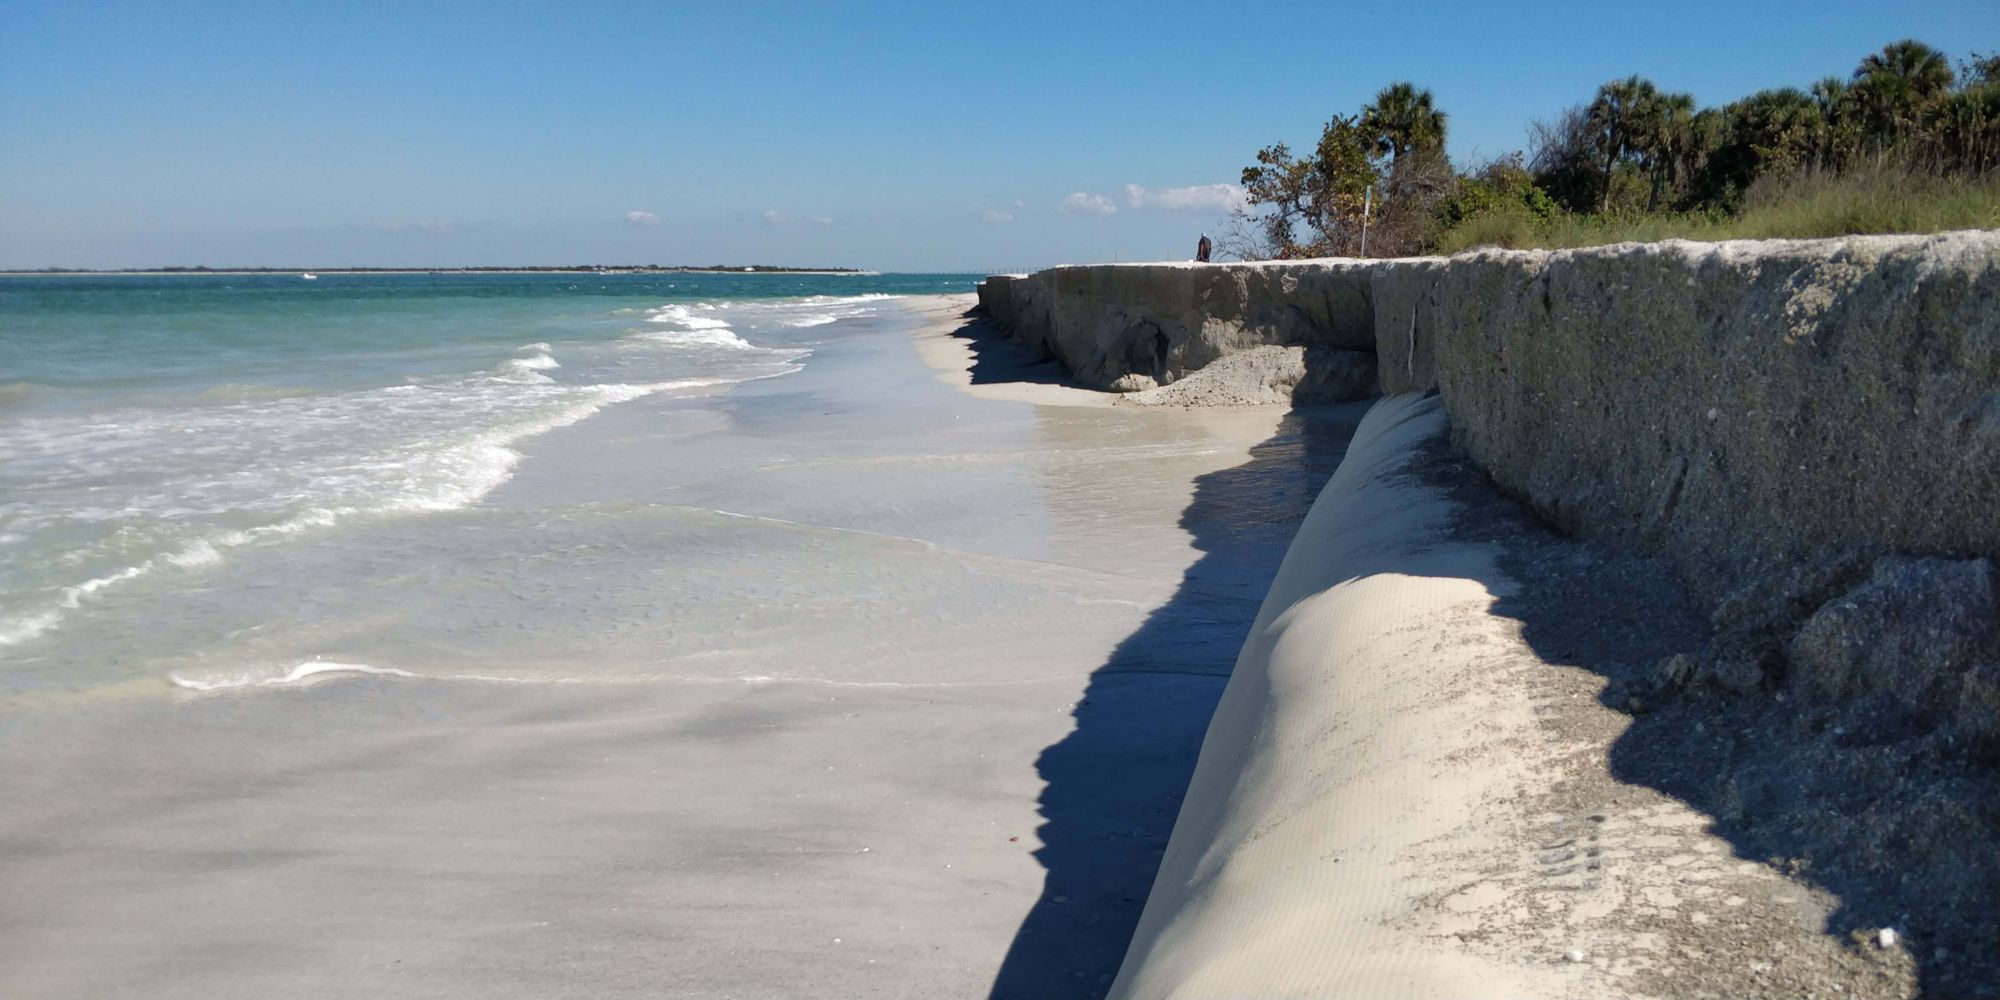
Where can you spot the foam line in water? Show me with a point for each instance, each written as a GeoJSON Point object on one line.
{"type": "Point", "coordinates": [684, 317]}
{"type": "Point", "coordinates": [450, 479]}
{"type": "Point", "coordinates": [833, 299]}
{"type": "Point", "coordinates": [314, 671]}
{"type": "Point", "coordinates": [18, 630]}
{"type": "Point", "coordinates": [720, 336]}
{"type": "Point", "coordinates": [303, 673]}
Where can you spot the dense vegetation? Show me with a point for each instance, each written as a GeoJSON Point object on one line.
{"type": "Point", "coordinates": [1904, 143]}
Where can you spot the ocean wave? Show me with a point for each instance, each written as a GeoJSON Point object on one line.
{"type": "Point", "coordinates": [314, 671]}
{"type": "Point", "coordinates": [303, 673]}
{"type": "Point", "coordinates": [14, 631]}
{"type": "Point", "coordinates": [684, 317]}
{"type": "Point", "coordinates": [429, 477]}
{"type": "Point", "coordinates": [531, 367]}
{"type": "Point", "coordinates": [162, 487]}
{"type": "Point", "coordinates": [700, 337]}
{"type": "Point", "coordinates": [846, 299]}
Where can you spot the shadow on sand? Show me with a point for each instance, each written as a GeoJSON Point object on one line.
{"type": "Point", "coordinates": [996, 359]}
{"type": "Point", "coordinates": [1899, 834]}
{"type": "Point", "coordinates": [1113, 786]}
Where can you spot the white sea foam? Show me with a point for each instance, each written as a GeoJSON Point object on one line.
{"type": "Point", "coordinates": [816, 319]}
{"type": "Point", "coordinates": [529, 369]}
{"type": "Point", "coordinates": [704, 337]}
{"type": "Point", "coordinates": [201, 553]}
{"type": "Point", "coordinates": [871, 297]}
{"type": "Point", "coordinates": [530, 362]}
{"type": "Point", "coordinates": [315, 671]}
{"type": "Point", "coordinates": [25, 627]}
{"type": "Point", "coordinates": [301, 674]}
{"type": "Point", "coordinates": [72, 596]}
{"type": "Point", "coordinates": [683, 316]}
{"type": "Point", "coordinates": [428, 478]}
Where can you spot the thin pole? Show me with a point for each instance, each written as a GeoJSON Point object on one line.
{"type": "Point", "coordinates": [1367, 202]}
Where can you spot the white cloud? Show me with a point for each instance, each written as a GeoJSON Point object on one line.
{"type": "Point", "coordinates": [1195, 198]}
{"type": "Point", "coordinates": [777, 218]}
{"type": "Point", "coordinates": [1087, 204]}
{"type": "Point", "coordinates": [641, 219]}
{"type": "Point", "coordinates": [996, 215]}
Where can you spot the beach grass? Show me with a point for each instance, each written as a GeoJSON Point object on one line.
{"type": "Point", "coordinates": [1804, 206]}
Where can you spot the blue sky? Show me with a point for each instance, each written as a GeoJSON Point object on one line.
{"type": "Point", "coordinates": [927, 136]}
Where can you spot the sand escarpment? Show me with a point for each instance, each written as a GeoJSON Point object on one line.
{"type": "Point", "coordinates": [1134, 327]}
{"type": "Point", "coordinates": [1774, 417]}
{"type": "Point", "coordinates": [1803, 435]}
{"type": "Point", "coordinates": [1790, 422]}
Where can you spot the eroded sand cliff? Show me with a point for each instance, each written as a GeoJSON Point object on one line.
{"type": "Point", "coordinates": [1805, 434]}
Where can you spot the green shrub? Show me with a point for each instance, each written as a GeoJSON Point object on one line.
{"type": "Point", "coordinates": [1887, 200]}
{"type": "Point", "coordinates": [1795, 206]}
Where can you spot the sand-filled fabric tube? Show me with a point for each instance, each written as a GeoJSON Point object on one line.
{"type": "Point", "coordinates": [1363, 728]}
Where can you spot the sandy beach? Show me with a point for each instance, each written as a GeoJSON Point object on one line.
{"type": "Point", "coordinates": [938, 754]}
{"type": "Point", "coordinates": [917, 672]}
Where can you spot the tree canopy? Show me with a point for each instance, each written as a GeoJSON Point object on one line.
{"type": "Point", "coordinates": [1632, 147]}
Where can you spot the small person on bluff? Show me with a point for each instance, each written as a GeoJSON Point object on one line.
{"type": "Point", "coordinates": [1202, 249]}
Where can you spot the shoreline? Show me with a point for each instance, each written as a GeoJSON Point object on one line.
{"type": "Point", "coordinates": [975, 357]}
{"type": "Point", "coordinates": [843, 691]}
{"type": "Point", "coordinates": [292, 272]}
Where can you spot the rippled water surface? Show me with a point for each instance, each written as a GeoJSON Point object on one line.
{"type": "Point", "coordinates": [190, 464]}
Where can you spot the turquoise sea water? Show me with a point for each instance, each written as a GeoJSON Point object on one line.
{"type": "Point", "coordinates": [152, 426]}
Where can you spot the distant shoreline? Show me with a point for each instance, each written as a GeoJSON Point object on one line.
{"type": "Point", "coordinates": [648, 269]}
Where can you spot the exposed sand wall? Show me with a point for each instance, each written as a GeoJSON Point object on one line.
{"type": "Point", "coordinates": [1773, 415]}
{"type": "Point", "coordinates": [1133, 326]}
{"type": "Point", "coordinates": [1807, 431]}
{"type": "Point", "coordinates": [1744, 405]}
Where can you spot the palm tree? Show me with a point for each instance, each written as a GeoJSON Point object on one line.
{"type": "Point", "coordinates": [1618, 114]}
{"type": "Point", "coordinates": [1887, 106]}
{"type": "Point", "coordinates": [1893, 87]}
{"type": "Point", "coordinates": [1706, 134]}
{"type": "Point", "coordinates": [1668, 131]}
{"type": "Point", "coordinates": [1966, 127]}
{"type": "Point", "coordinates": [1781, 126]}
{"type": "Point", "coordinates": [1839, 133]}
{"type": "Point", "coordinates": [1831, 93]}
{"type": "Point", "coordinates": [1924, 69]}
{"type": "Point", "coordinates": [1403, 118]}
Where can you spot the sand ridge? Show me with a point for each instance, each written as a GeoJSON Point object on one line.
{"type": "Point", "coordinates": [1400, 797]}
